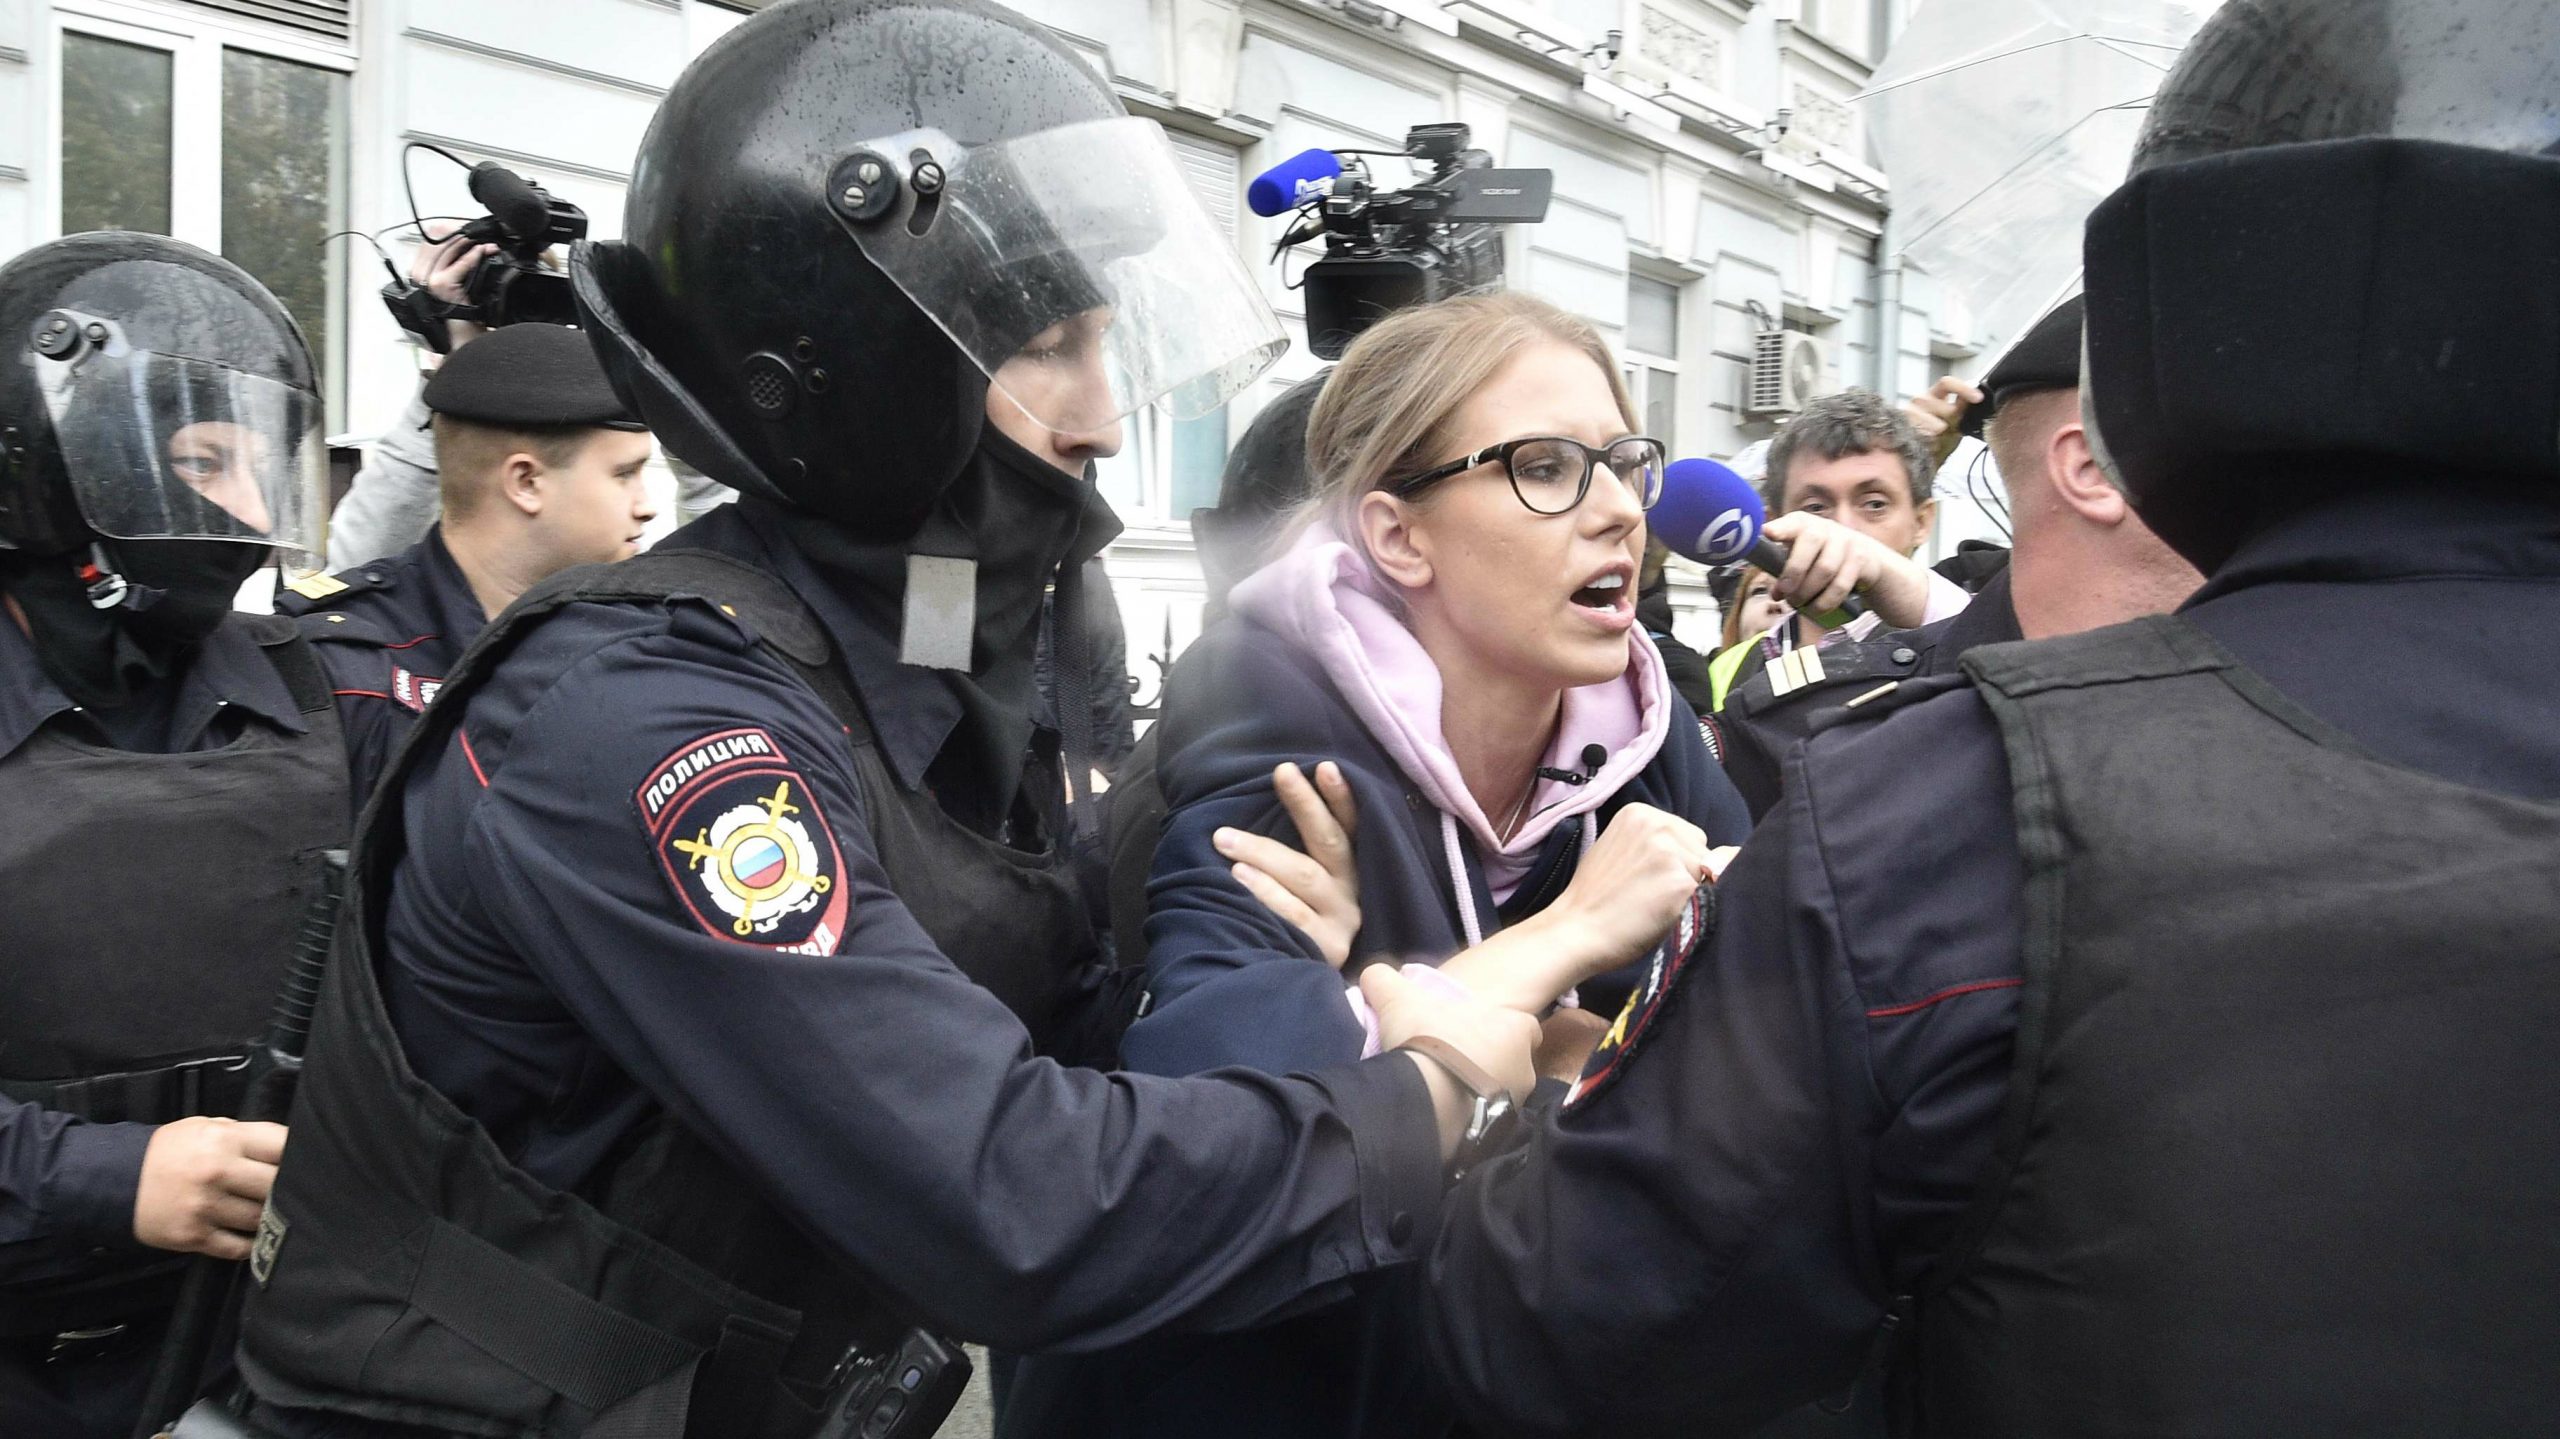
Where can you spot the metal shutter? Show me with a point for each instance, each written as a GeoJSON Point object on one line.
{"type": "Point", "coordinates": [1211, 169]}
{"type": "Point", "coordinates": [330, 19]}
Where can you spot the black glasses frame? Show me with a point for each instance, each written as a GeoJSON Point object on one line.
{"type": "Point", "coordinates": [1592, 460]}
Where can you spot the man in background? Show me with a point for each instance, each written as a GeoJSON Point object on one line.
{"type": "Point", "coordinates": [538, 468]}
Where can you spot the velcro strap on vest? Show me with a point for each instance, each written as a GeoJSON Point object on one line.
{"type": "Point", "coordinates": [593, 1356]}
{"type": "Point", "coordinates": [2153, 648]}
{"type": "Point", "coordinates": [216, 1084]}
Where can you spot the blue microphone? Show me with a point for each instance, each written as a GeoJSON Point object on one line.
{"type": "Point", "coordinates": [1287, 185]}
{"type": "Point", "coordinates": [1709, 514]}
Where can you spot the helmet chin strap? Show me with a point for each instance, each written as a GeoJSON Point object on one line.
{"type": "Point", "coordinates": [110, 590]}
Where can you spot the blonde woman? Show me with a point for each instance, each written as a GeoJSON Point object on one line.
{"type": "Point", "coordinates": [1454, 629]}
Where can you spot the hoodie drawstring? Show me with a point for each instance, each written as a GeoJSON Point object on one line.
{"type": "Point", "coordinates": [1459, 884]}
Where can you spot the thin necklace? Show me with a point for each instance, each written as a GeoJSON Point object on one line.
{"type": "Point", "coordinates": [1511, 826]}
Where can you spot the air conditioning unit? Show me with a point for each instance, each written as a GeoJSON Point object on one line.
{"type": "Point", "coordinates": [1787, 370]}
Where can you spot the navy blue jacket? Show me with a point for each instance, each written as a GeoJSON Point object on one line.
{"type": "Point", "coordinates": [559, 968]}
{"type": "Point", "coordinates": [388, 632]}
{"type": "Point", "coordinates": [1232, 983]}
{"type": "Point", "coordinates": [1712, 1237]}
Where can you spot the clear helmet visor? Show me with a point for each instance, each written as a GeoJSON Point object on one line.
{"type": "Point", "coordinates": [160, 446]}
{"type": "Point", "coordinates": [1075, 267]}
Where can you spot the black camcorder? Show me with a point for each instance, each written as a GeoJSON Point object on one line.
{"type": "Point", "coordinates": [1429, 241]}
{"type": "Point", "coordinates": [512, 286]}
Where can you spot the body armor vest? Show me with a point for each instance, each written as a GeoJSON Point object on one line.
{"type": "Point", "coordinates": [407, 1272]}
{"type": "Point", "coordinates": [153, 902]}
{"type": "Point", "coordinates": [2278, 1152]}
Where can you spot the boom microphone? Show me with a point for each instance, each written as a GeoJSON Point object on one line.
{"type": "Point", "coordinates": [1709, 514]}
{"type": "Point", "coordinates": [1289, 184]}
{"type": "Point", "coordinates": [518, 206]}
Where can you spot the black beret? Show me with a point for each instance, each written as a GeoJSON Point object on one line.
{"type": "Point", "coordinates": [2047, 358]}
{"type": "Point", "coordinates": [528, 375]}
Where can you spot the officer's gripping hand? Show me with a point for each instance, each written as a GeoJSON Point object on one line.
{"type": "Point", "coordinates": [1624, 897]}
{"type": "Point", "coordinates": [1501, 1041]}
{"type": "Point", "coordinates": [1827, 560]}
{"type": "Point", "coordinates": [1319, 890]}
{"type": "Point", "coordinates": [203, 1182]}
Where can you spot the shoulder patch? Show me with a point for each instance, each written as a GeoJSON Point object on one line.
{"type": "Point", "coordinates": [738, 832]}
{"type": "Point", "coordinates": [317, 585]}
{"type": "Point", "coordinates": [1609, 1058]}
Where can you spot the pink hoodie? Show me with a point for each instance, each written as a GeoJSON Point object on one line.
{"type": "Point", "coordinates": [1323, 596]}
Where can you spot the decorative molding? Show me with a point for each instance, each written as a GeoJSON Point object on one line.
{"type": "Point", "coordinates": [1824, 119]}
{"type": "Point", "coordinates": [13, 55]}
{"type": "Point", "coordinates": [15, 173]}
{"type": "Point", "coordinates": [518, 58]}
{"type": "Point", "coordinates": [1680, 47]}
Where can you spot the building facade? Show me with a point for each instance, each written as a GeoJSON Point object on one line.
{"type": "Point", "coordinates": [1712, 180]}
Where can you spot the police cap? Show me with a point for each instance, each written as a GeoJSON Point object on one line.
{"type": "Point", "coordinates": [528, 376]}
{"type": "Point", "coordinates": [2047, 358]}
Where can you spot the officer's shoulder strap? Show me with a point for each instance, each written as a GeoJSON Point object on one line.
{"type": "Point", "coordinates": [281, 641]}
{"type": "Point", "coordinates": [763, 605]}
{"type": "Point", "coordinates": [2155, 647]}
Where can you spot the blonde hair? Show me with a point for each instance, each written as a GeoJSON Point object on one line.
{"type": "Point", "coordinates": [1386, 409]}
{"type": "Point", "coordinates": [469, 456]}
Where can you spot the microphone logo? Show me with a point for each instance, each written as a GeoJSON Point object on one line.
{"type": "Point", "coordinates": [1725, 537]}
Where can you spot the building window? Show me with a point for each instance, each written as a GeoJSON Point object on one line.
{"type": "Point", "coordinates": [1651, 357]}
{"type": "Point", "coordinates": [226, 135]}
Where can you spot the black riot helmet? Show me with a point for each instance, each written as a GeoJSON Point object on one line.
{"type": "Point", "coordinates": [150, 391]}
{"type": "Point", "coordinates": [2332, 265]}
{"type": "Point", "coordinates": [850, 214]}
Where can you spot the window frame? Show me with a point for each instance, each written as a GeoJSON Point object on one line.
{"type": "Point", "coordinates": [195, 41]}
{"type": "Point", "coordinates": [1633, 363]}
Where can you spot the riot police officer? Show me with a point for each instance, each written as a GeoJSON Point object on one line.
{"type": "Point", "coordinates": [170, 778]}
{"type": "Point", "coordinates": [2151, 1035]}
{"type": "Point", "coordinates": [676, 1065]}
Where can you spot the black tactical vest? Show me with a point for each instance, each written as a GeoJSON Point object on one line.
{"type": "Point", "coordinates": [152, 905]}
{"type": "Point", "coordinates": [2280, 1155]}
{"type": "Point", "coordinates": [407, 1272]}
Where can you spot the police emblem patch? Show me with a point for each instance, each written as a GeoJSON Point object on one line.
{"type": "Point", "coordinates": [739, 834]}
{"type": "Point", "coordinates": [1670, 957]}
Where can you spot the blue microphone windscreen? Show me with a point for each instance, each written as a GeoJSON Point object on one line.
{"type": "Point", "coordinates": [1279, 190]}
{"type": "Point", "coordinates": [1707, 512]}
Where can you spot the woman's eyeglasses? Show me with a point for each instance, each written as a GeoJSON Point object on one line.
{"type": "Point", "coordinates": [1551, 474]}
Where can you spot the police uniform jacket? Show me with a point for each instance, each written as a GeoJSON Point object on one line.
{"type": "Point", "coordinates": [1784, 700]}
{"type": "Point", "coordinates": [1790, 1136]}
{"type": "Point", "coordinates": [641, 884]}
{"type": "Point", "coordinates": [388, 632]}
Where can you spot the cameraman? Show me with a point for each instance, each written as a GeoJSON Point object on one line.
{"type": "Point", "coordinates": [393, 500]}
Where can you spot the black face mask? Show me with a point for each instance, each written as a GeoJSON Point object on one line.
{"type": "Point", "coordinates": [179, 591]}
{"type": "Point", "coordinates": [1022, 520]}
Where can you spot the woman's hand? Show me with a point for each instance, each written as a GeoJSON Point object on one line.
{"type": "Point", "coordinates": [1318, 891]}
{"type": "Point", "coordinates": [1827, 560]}
{"type": "Point", "coordinates": [1624, 896]}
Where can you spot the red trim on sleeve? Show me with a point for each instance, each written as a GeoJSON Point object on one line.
{"type": "Point", "coordinates": [1892, 1010]}
{"type": "Point", "coordinates": [363, 694]}
{"type": "Point", "coordinates": [476, 771]}
{"type": "Point", "coordinates": [404, 644]}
